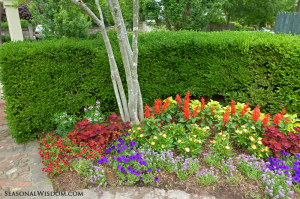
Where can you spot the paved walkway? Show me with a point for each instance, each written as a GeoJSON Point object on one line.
{"type": "Point", "coordinates": [21, 171]}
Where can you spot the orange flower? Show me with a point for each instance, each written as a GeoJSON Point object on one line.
{"type": "Point", "coordinates": [232, 105]}
{"type": "Point", "coordinates": [212, 110]}
{"type": "Point", "coordinates": [157, 105]}
{"type": "Point", "coordinates": [147, 111]}
{"type": "Point", "coordinates": [265, 121]}
{"type": "Point", "coordinates": [166, 104]}
{"type": "Point", "coordinates": [282, 113]}
{"type": "Point", "coordinates": [286, 120]}
{"type": "Point", "coordinates": [202, 103]}
{"type": "Point", "coordinates": [226, 116]}
{"type": "Point", "coordinates": [178, 100]}
{"type": "Point", "coordinates": [255, 114]}
{"type": "Point", "coordinates": [276, 119]}
{"type": "Point", "coordinates": [245, 109]}
{"type": "Point", "coordinates": [195, 112]}
{"type": "Point", "coordinates": [186, 110]}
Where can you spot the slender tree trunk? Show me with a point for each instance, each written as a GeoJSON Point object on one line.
{"type": "Point", "coordinates": [1, 7]}
{"type": "Point", "coordinates": [113, 66]}
{"type": "Point", "coordinates": [298, 8]}
{"type": "Point", "coordinates": [228, 19]}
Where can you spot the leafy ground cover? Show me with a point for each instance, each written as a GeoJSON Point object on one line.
{"type": "Point", "coordinates": [191, 145]}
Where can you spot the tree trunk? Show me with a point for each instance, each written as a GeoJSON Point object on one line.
{"type": "Point", "coordinates": [1, 7]}
{"type": "Point", "coordinates": [298, 8]}
{"type": "Point", "coordinates": [134, 110]}
{"type": "Point", "coordinates": [228, 19]}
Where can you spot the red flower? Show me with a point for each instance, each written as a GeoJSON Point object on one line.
{"type": "Point", "coordinates": [157, 105]}
{"type": "Point", "coordinates": [202, 103]}
{"type": "Point", "coordinates": [147, 111]}
{"type": "Point", "coordinates": [195, 112]}
{"type": "Point", "coordinates": [178, 100]}
{"type": "Point", "coordinates": [286, 120]}
{"type": "Point", "coordinates": [245, 109]}
{"type": "Point", "coordinates": [255, 114]}
{"type": "Point", "coordinates": [226, 116]}
{"type": "Point", "coordinates": [166, 104]}
{"type": "Point", "coordinates": [282, 113]}
{"type": "Point", "coordinates": [232, 106]}
{"type": "Point", "coordinates": [186, 110]}
{"type": "Point", "coordinates": [276, 119]}
{"type": "Point", "coordinates": [153, 115]}
{"type": "Point", "coordinates": [212, 110]}
{"type": "Point", "coordinates": [265, 121]}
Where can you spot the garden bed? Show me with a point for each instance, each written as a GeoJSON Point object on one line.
{"type": "Point", "coordinates": [212, 150]}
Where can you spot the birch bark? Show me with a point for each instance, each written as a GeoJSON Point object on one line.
{"type": "Point", "coordinates": [113, 66]}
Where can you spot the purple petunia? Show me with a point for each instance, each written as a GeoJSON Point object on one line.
{"type": "Point", "coordinates": [119, 159]}
{"type": "Point", "coordinates": [133, 158]}
{"type": "Point", "coordinates": [133, 143]}
{"type": "Point", "coordinates": [119, 166]}
{"type": "Point", "coordinates": [119, 151]}
{"type": "Point", "coordinates": [126, 180]}
{"type": "Point", "coordinates": [129, 168]}
{"type": "Point", "coordinates": [123, 170]}
{"type": "Point", "coordinates": [155, 178]}
{"type": "Point", "coordinates": [157, 169]}
{"type": "Point", "coordinates": [125, 160]}
{"type": "Point", "coordinates": [149, 170]}
{"type": "Point", "coordinates": [118, 145]}
{"type": "Point", "coordinates": [137, 173]}
{"type": "Point", "coordinates": [141, 178]}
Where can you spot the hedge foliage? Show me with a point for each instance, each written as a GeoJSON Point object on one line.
{"type": "Point", "coordinates": [43, 78]}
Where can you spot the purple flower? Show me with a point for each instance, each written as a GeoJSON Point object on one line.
{"type": "Point", "coordinates": [142, 172]}
{"type": "Point", "coordinates": [141, 178]}
{"type": "Point", "coordinates": [119, 151]}
{"type": "Point", "coordinates": [155, 178]}
{"type": "Point", "coordinates": [124, 146]}
{"type": "Point", "coordinates": [129, 168]}
{"type": "Point", "coordinates": [132, 171]}
{"type": "Point", "coordinates": [119, 166]}
{"type": "Point", "coordinates": [97, 102]}
{"type": "Point", "coordinates": [125, 160]}
{"type": "Point", "coordinates": [297, 155]}
{"type": "Point", "coordinates": [118, 145]}
{"type": "Point", "coordinates": [133, 143]}
{"type": "Point", "coordinates": [122, 141]}
{"type": "Point", "coordinates": [106, 151]}
{"type": "Point", "coordinates": [126, 180]}
{"type": "Point", "coordinates": [274, 160]}
{"type": "Point", "coordinates": [133, 158]}
{"type": "Point", "coordinates": [119, 159]}
{"type": "Point", "coordinates": [149, 170]}
{"type": "Point", "coordinates": [123, 170]}
{"type": "Point", "coordinates": [113, 147]}
{"type": "Point", "coordinates": [157, 169]}
{"type": "Point", "coordinates": [296, 163]}
{"type": "Point", "coordinates": [282, 152]}
{"type": "Point", "coordinates": [122, 156]}
{"type": "Point", "coordinates": [137, 173]}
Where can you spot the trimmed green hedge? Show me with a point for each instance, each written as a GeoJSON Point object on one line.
{"type": "Point", "coordinates": [42, 78]}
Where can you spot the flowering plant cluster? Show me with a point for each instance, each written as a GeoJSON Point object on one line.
{"type": "Point", "coordinates": [56, 153]}
{"type": "Point", "coordinates": [221, 144]}
{"type": "Point", "coordinates": [94, 114]}
{"type": "Point", "coordinates": [64, 122]}
{"type": "Point", "coordinates": [96, 135]}
{"type": "Point", "coordinates": [207, 176]}
{"type": "Point", "coordinates": [278, 141]}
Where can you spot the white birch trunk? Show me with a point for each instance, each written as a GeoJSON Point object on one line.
{"type": "Point", "coordinates": [113, 66]}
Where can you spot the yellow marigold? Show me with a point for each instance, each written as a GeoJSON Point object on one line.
{"type": "Point", "coordinates": [259, 138]}
{"type": "Point", "coordinates": [224, 135]}
{"type": "Point", "coordinates": [134, 131]}
{"type": "Point", "coordinates": [259, 142]}
{"type": "Point", "coordinates": [243, 126]}
{"type": "Point", "coordinates": [138, 128]}
{"type": "Point", "coordinates": [223, 139]}
{"type": "Point", "coordinates": [262, 150]}
{"type": "Point", "coordinates": [191, 139]}
{"type": "Point", "coordinates": [252, 139]}
{"type": "Point", "coordinates": [160, 134]}
{"type": "Point", "coordinates": [155, 137]}
{"type": "Point", "coordinates": [195, 136]}
{"type": "Point", "coordinates": [193, 150]}
{"type": "Point", "coordinates": [200, 141]}
{"type": "Point", "coordinates": [152, 143]}
{"type": "Point", "coordinates": [220, 133]}
{"type": "Point", "coordinates": [227, 147]}
{"type": "Point", "coordinates": [141, 135]}
{"type": "Point", "coordinates": [163, 146]}
{"type": "Point", "coordinates": [179, 141]}
{"type": "Point", "coordinates": [192, 132]}
{"type": "Point", "coordinates": [253, 127]}
{"type": "Point", "coordinates": [129, 130]}
{"type": "Point", "coordinates": [131, 138]}
{"type": "Point", "coordinates": [164, 135]}
{"type": "Point", "coordinates": [260, 155]}
{"type": "Point", "coordinates": [187, 149]}
{"type": "Point", "coordinates": [214, 142]}
{"type": "Point", "coordinates": [253, 146]}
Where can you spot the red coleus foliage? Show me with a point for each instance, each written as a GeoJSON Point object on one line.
{"type": "Point", "coordinates": [98, 135]}
{"type": "Point", "coordinates": [244, 110]}
{"type": "Point", "coordinates": [195, 112]}
{"type": "Point", "coordinates": [202, 103]}
{"type": "Point", "coordinates": [226, 116]}
{"type": "Point", "coordinates": [166, 104]}
{"type": "Point", "coordinates": [147, 111]}
{"type": "Point", "coordinates": [278, 141]}
{"type": "Point", "coordinates": [186, 110]}
{"type": "Point", "coordinates": [232, 106]}
{"type": "Point", "coordinates": [255, 114]}
{"type": "Point", "coordinates": [178, 100]}
{"type": "Point", "coordinates": [157, 105]}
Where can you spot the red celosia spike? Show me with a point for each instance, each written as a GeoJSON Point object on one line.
{"type": "Point", "coordinates": [202, 103]}
{"type": "Point", "coordinates": [147, 111]}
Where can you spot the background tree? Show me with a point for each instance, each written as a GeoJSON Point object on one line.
{"type": "Point", "coordinates": [1, 8]}
{"type": "Point", "coordinates": [184, 14]}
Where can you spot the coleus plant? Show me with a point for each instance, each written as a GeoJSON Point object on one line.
{"type": "Point", "coordinates": [278, 141]}
{"type": "Point", "coordinates": [96, 135]}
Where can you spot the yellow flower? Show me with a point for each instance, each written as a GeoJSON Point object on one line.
{"type": "Point", "coordinates": [134, 131]}
{"type": "Point", "coordinates": [253, 127]}
{"type": "Point", "coordinates": [129, 130]}
{"type": "Point", "coordinates": [179, 141]}
{"type": "Point", "coordinates": [193, 150]}
{"type": "Point", "coordinates": [214, 142]}
{"type": "Point", "coordinates": [259, 138]}
{"type": "Point", "coordinates": [152, 143]}
{"type": "Point", "coordinates": [160, 134]}
{"type": "Point", "coordinates": [227, 147]}
{"type": "Point", "coordinates": [191, 131]}
{"type": "Point", "coordinates": [164, 135]}
{"type": "Point", "coordinates": [254, 134]}
{"type": "Point", "coordinates": [195, 136]}
{"type": "Point", "coordinates": [131, 138]}
{"type": "Point", "coordinates": [220, 133]}
{"type": "Point", "coordinates": [253, 146]}
{"type": "Point", "coordinates": [238, 132]}
{"type": "Point", "coordinates": [262, 150]}
{"type": "Point", "coordinates": [141, 135]}
{"type": "Point", "coordinates": [200, 141]}
{"type": "Point", "coordinates": [191, 139]}
{"type": "Point", "coordinates": [243, 126]}
{"type": "Point", "coordinates": [155, 137]}
{"type": "Point", "coordinates": [187, 149]}
{"type": "Point", "coordinates": [138, 128]}
{"type": "Point", "coordinates": [266, 148]}
{"type": "Point", "coordinates": [163, 146]}
{"type": "Point", "coordinates": [224, 135]}
{"type": "Point", "coordinates": [223, 138]}
{"type": "Point", "coordinates": [259, 142]}
{"type": "Point", "coordinates": [260, 155]}
{"type": "Point", "coordinates": [171, 136]}
{"type": "Point", "coordinates": [252, 139]}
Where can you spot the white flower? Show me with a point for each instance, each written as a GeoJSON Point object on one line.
{"type": "Point", "coordinates": [95, 120]}
{"type": "Point", "coordinates": [70, 119]}
{"type": "Point", "coordinates": [253, 127]}
{"type": "Point", "coordinates": [243, 126]}
{"type": "Point", "coordinates": [65, 121]}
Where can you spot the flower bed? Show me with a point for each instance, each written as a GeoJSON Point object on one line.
{"type": "Point", "coordinates": [188, 145]}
